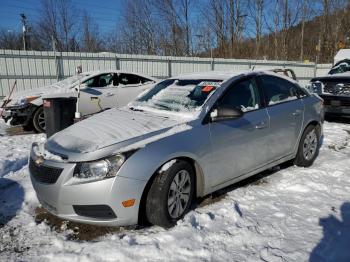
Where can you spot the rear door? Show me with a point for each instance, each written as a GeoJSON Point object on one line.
{"type": "Point", "coordinates": [239, 145]}
{"type": "Point", "coordinates": [286, 111]}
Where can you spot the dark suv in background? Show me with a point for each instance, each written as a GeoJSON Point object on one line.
{"type": "Point", "coordinates": [334, 89]}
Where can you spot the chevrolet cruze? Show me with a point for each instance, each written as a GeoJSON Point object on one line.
{"type": "Point", "coordinates": [185, 138]}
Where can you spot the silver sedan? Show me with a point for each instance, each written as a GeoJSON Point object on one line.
{"type": "Point", "coordinates": [185, 138]}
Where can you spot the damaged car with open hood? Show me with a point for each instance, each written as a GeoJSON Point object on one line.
{"type": "Point", "coordinates": [186, 137]}
{"type": "Point", "coordinates": [334, 88]}
{"type": "Point", "coordinates": [97, 91]}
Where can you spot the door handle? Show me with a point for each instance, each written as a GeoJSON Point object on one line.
{"type": "Point", "coordinates": [296, 112]}
{"type": "Point", "coordinates": [109, 94]}
{"type": "Point", "coordinates": [261, 125]}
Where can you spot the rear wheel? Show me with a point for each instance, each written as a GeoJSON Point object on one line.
{"type": "Point", "coordinates": [39, 120]}
{"type": "Point", "coordinates": [308, 147]}
{"type": "Point", "coordinates": [170, 195]}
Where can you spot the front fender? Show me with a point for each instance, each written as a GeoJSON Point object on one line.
{"type": "Point", "coordinates": [193, 144]}
{"type": "Point", "coordinates": [37, 102]}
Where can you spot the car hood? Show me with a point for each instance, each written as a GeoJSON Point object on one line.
{"type": "Point", "coordinates": [40, 92]}
{"type": "Point", "coordinates": [120, 129]}
{"type": "Point", "coordinates": [334, 77]}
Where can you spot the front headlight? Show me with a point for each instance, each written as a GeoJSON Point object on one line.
{"type": "Point", "coordinates": [24, 101]}
{"type": "Point", "coordinates": [100, 169]}
{"type": "Point", "coordinates": [315, 87]}
{"type": "Point", "coordinates": [20, 102]}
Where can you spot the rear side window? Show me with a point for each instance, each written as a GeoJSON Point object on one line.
{"type": "Point", "coordinates": [243, 95]}
{"type": "Point", "coordinates": [130, 79]}
{"type": "Point", "coordinates": [278, 90]}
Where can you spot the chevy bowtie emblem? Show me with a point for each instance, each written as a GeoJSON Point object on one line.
{"type": "Point", "coordinates": [39, 161]}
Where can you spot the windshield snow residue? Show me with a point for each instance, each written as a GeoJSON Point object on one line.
{"type": "Point", "coordinates": [178, 95]}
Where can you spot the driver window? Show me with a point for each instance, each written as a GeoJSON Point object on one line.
{"type": "Point", "coordinates": [243, 95]}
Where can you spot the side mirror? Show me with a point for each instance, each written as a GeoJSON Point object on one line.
{"type": "Point", "coordinates": [225, 113]}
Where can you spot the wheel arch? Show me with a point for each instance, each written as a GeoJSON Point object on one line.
{"type": "Point", "coordinates": [315, 123]}
{"type": "Point", "coordinates": [37, 102]}
{"type": "Point", "coordinates": [199, 183]}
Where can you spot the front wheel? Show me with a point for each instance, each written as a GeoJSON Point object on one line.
{"type": "Point", "coordinates": [308, 147]}
{"type": "Point", "coordinates": [39, 120]}
{"type": "Point", "coordinates": [170, 195]}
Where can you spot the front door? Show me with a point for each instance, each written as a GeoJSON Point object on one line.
{"type": "Point", "coordinates": [239, 145]}
{"type": "Point", "coordinates": [100, 93]}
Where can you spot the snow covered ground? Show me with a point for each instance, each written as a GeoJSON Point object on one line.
{"type": "Point", "coordinates": [289, 214]}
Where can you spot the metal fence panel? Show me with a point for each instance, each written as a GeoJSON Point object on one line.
{"type": "Point", "coordinates": [33, 69]}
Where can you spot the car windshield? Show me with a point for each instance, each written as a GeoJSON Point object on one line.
{"type": "Point", "coordinates": [340, 68]}
{"type": "Point", "coordinates": [70, 80]}
{"type": "Point", "coordinates": [178, 95]}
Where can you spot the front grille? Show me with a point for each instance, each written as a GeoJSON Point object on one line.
{"type": "Point", "coordinates": [94, 211]}
{"type": "Point", "coordinates": [336, 88]}
{"type": "Point", "coordinates": [44, 174]}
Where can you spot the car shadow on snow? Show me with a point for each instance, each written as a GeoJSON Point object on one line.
{"type": "Point", "coordinates": [75, 231]}
{"type": "Point", "coordinates": [335, 244]}
{"type": "Point", "coordinates": [11, 200]}
{"type": "Point", "coordinates": [258, 179]}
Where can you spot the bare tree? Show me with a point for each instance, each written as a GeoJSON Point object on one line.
{"type": "Point", "coordinates": [139, 28]}
{"type": "Point", "coordinates": [91, 41]}
{"type": "Point", "coordinates": [57, 22]}
{"type": "Point", "coordinates": [256, 8]}
{"type": "Point", "coordinates": [10, 39]}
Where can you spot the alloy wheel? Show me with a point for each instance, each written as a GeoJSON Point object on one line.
{"type": "Point", "coordinates": [179, 194]}
{"type": "Point", "coordinates": [310, 145]}
{"type": "Point", "coordinates": [41, 120]}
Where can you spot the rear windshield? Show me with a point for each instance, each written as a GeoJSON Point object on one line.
{"type": "Point", "coordinates": [178, 94]}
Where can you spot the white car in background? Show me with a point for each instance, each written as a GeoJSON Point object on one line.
{"type": "Point", "coordinates": [99, 90]}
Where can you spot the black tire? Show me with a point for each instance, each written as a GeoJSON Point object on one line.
{"type": "Point", "coordinates": [303, 159]}
{"type": "Point", "coordinates": [38, 120]}
{"type": "Point", "coordinates": [28, 127]}
{"type": "Point", "coordinates": [157, 210]}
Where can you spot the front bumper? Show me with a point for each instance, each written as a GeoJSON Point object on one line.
{"type": "Point", "coordinates": [20, 115]}
{"type": "Point", "coordinates": [336, 105]}
{"type": "Point", "coordinates": [62, 197]}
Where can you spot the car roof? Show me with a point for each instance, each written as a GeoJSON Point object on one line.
{"type": "Point", "coordinates": [226, 75]}
{"type": "Point", "coordinates": [217, 75]}
{"type": "Point", "coordinates": [98, 72]}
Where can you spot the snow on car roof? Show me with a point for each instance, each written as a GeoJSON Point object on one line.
{"type": "Point", "coordinates": [219, 75]}
{"type": "Point", "coordinates": [97, 72]}
{"type": "Point", "coordinates": [225, 75]}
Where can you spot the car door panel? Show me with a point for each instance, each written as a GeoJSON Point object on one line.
{"type": "Point", "coordinates": [98, 95]}
{"type": "Point", "coordinates": [239, 146]}
{"type": "Point", "coordinates": [286, 112]}
{"type": "Point", "coordinates": [130, 86]}
{"type": "Point", "coordinates": [286, 121]}
{"type": "Point", "coordinates": [88, 101]}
